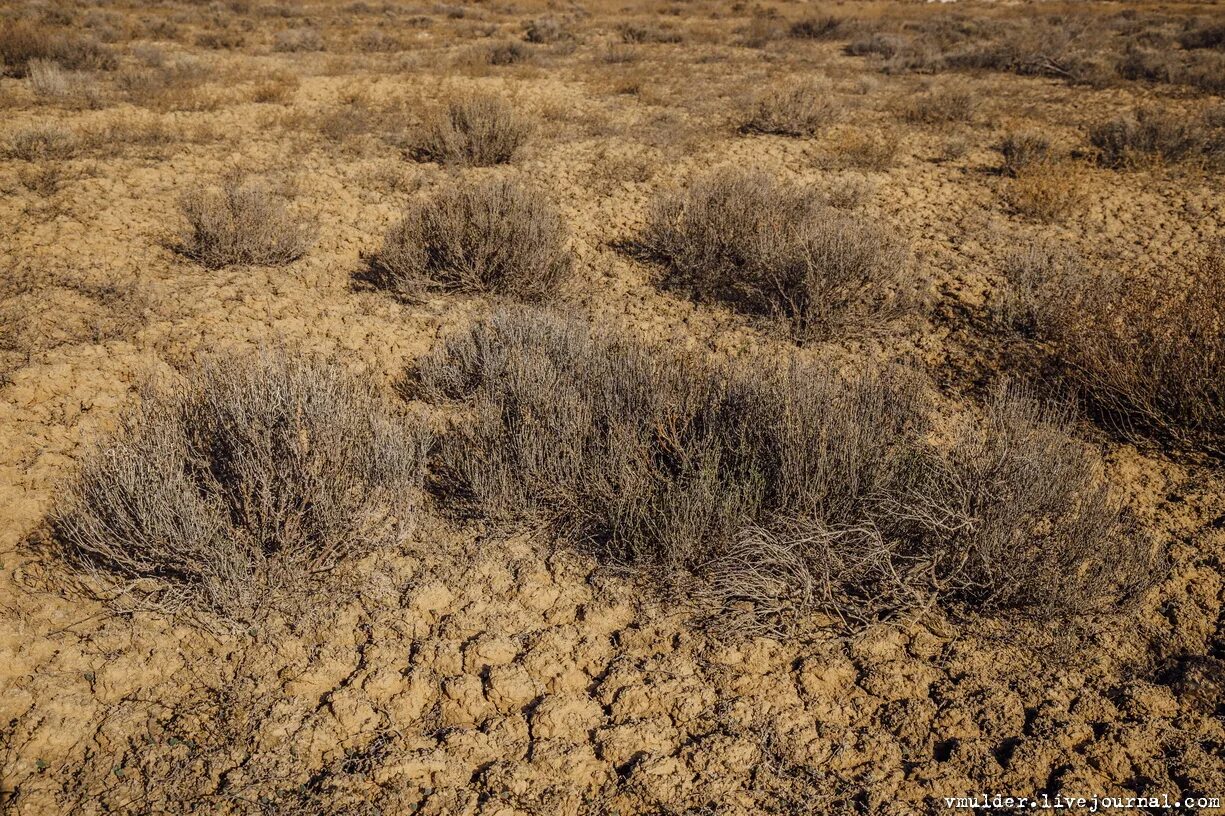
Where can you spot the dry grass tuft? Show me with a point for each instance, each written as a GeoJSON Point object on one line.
{"type": "Point", "coordinates": [241, 222]}
{"type": "Point", "coordinates": [780, 484]}
{"type": "Point", "coordinates": [648, 33]}
{"type": "Point", "coordinates": [546, 30]}
{"type": "Point", "coordinates": [475, 130]}
{"type": "Point", "coordinates": [251, 481]}
{"type": "Point", "coordinates": [798, 108]}
{"type": "Point", "coordinates": [861, 149]}
{"type": "Point", "coordinates": [491, 236]}
{"type": "Point", "coordinates": [772, 248]}
{"type": "Point", "coordinates": [293, 40]}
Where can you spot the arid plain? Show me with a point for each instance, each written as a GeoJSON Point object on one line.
{"type": "Point", "coordinates": [660, 408]}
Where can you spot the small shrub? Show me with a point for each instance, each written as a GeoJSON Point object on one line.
{"type": "Point", "coordinates": [241, 222]}
{"type": "Point", "coordinates": [1021, 150]}
{"type": "Point", "coordinates": [510, 52]}
{"type": "Point", "coordinates": [50, 80]}
{"type": "Point", "coordinates": [297, 39]}
{"type": "Point", "coordinates": [1205, 35]}
{"type": "Point", "coordinates": [779, 483]}
{"type": "Point", "coordinates": [254, 478]}
{"type": "Point", "coordinates": [640, 33]}
{"type": "Point", "coordinates": [377, 41]}
{"type": "Point", "coordinates": [1151, 135]}
{"type": "Point", "coordinates": [793, 109]}
{"type": "Point", "coordinates": [1046, 192]}
{"type": "Point", "coordinates": [221, 39]}
{"type": "Point", "coordinates": [486, 237]}
{"type": "Point", "coordinates": [474, 130]}
{"type": "Point", "coordinates": [848, 191]}
{"type": "Point", "coordinates": [941, 106]}
{"type": "Point", "coordinates": [166, 86]}
{"type": "Point", "coordinates": [1147, 356]}
{"type": "Point", "coordinates": [1030, 272]}
{"type": "Point", "coordinates": [45, 142]}
{"type": "Point", "coordinates": [772, 248]}
{"type": "Point", "coordinates": [821, 27]}
{"type": "Point", "coordinates": [21, 43]}
{"type": "Point", "coordinates": [546, 30]}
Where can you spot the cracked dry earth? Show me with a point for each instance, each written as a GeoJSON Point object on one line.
{"type": "Point", "coordinates": [480, 672]}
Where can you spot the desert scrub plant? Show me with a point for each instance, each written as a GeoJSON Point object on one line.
{"type": "Point", "coordinates": [508, 52]}
{"type": "Point", "coordinates": [1156, 136]}
{"type": "Point", "coordinates": [22, 43]}
{"type": "Point", "coordinates": [780, 483]}
{"type": "Point", "coordinates": [45, 142]}
{"type": "Point", "coordinates": [546, 30]}
{"type": "Point", "coordinates": [492, 236]}
{"type": "Point", "coordinates": [1031, 272]}
{"type": "Point", "coordinates": [1046, 191]}
{"type": "Point", "coordinates": [241, 221]}
{"type": "Point", "coordinates": [252, 479]}
{"type": "Point", "coordinates": [1019, 151]}
{"type": "Point", "coordinates": [770, 247]}
{"type": "Point", "coordinates": [476, 130]}
{"type": "Point", "coordinates": [865, 150]}
{"type": "Point", "coordinates": [637, 33]}
{"type": "Point", "coordinates": [817, 27]}
{"type": "Point", "coordinates": [1148, 357]}
{"type": "Point", "coordinates": [796, 108]}
{"type": "Point", "coordinates": [1019, 517]}
{"type": "Point", "coordinates": [293, 40]}
{"type": "Point", "coordinates": [941, 106]}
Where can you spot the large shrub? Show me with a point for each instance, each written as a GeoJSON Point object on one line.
{"type": "Point", "coordinates": [250, 481]}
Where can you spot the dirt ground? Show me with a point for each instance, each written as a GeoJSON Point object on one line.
{"type": "Point", "coordinates": [485, 673]}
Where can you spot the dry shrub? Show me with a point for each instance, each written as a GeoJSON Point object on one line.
{"type": "Point", "coordinates": [817, 27]}
{"type": "Point", "coordinates": [168, 86]}
{"type": "Point", "coordinates": [1204, 35]}
{"type": "Point", "coordinates": [546, 30]}
{"type": "Point", "coordinates": [45, 142]}
{"type": "Point", "coordinates": [865, 150]}
{"type": "Point", "coordinates": [293, 40]}
{"type": "Point", "coordinates": [773, 248]}
{"type": "Point", "coordinates": [1030, 272]}
{"type": "Point", "coordinates": [252, 479]}
{"type": "Point", "coordinates": [1157, 136]}
{"type": "Point", "coordinates": [22, 43]}
{"type": "Point", "coordinates": [1148, 357]}
{"type": "Point", "coordinates": [48, 79]}
{"type": "Point", "coordinates": [476, 130]}
{"type": "Point", "coordinates": [648, 33]}
{"type": "Point", "coordinates": [1046, 191]}
{"type": "Point", "coordinates": [377, 41]}
{"type": "Point", "coordinates": [1029, 521]}
{"type": "Point", "coordinates": [277, 89]}
{"type": "Point", "coordinates": [241, 222]}
{"type": "Point", "coordinates": [941, 106]}
{"type": "Point", "coordinates": [509, 52]}
{"type": "Point", "coordinates": [221, 39]}
{"type": "Point", "coordinates": [782, 484]}
{"type": "Point", "coordinates": [1022, 150]}
{"type": "Point", "coordinates": [491, 236]}
{"type": "Point", "coordinates": [798, 108]}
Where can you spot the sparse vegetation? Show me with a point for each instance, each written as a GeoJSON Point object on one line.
{"type": "Point", "coordinates": [941, 106]}
{"type": "Point", "coordinates": [1047, 192]}
{"type": "Point", "coordinates": [769, 247]}
{"type": "Point", "coordinates": [473, 130]}
{"type": "Point", "coordinates": [42, 143]}
{"type": "Point", "coordinates": [546, 30]}
{"type": "Point", "coordinates": [817, 27]}
{"type": "Point", "coordinates": [251, 481]}
{"type": "Point", "coordinates": [494, 237]}
{"type": "Point", "coordinates": [241, 222]}
{"type": "Point", "coordinates": [781, 475]}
